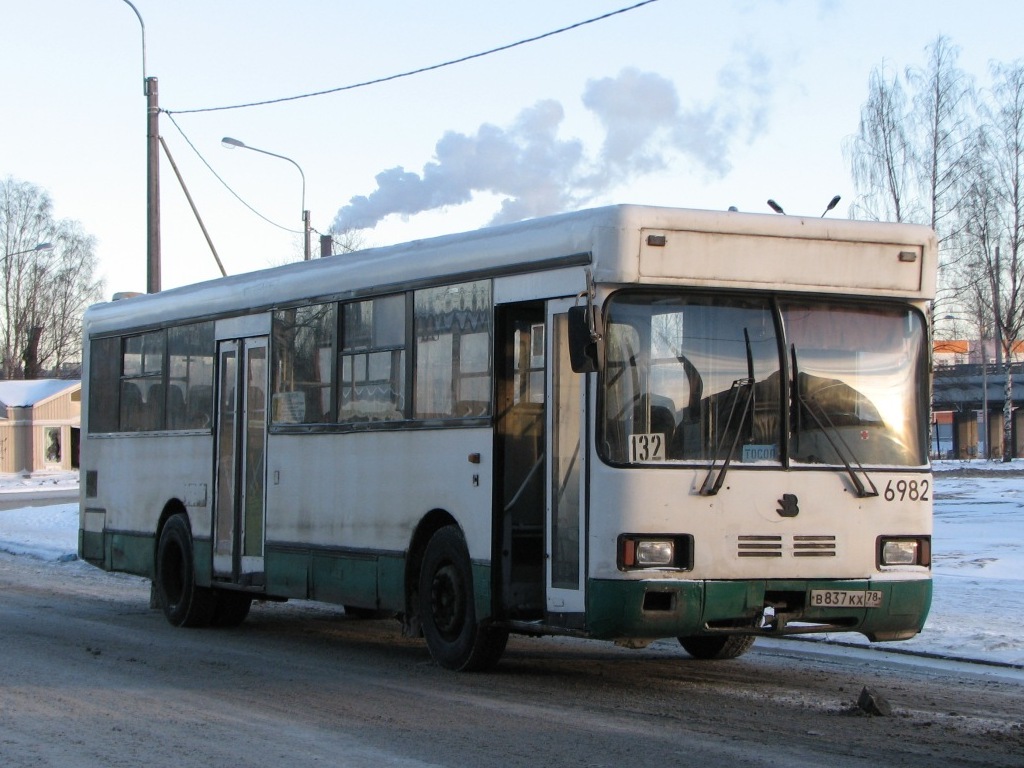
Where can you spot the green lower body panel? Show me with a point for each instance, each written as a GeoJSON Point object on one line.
{"type": "Point", "coordinates": [117, 551]}
{"type": "Point", "coordinates": [363, 579]}
{"type": "Point", "coordinates": [367, 580]}
{"type": "Point", "coordinates": [660, 608]}
{"type": "Point", "coordinates": [135, 553]}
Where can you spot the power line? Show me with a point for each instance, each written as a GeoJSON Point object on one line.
{"type": "Point", "coordinates": [419, 71]}
{"type": "Point", "coordinates": [226, 185]}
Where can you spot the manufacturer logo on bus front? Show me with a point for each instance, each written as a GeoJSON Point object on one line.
{"type": "Point", "coordinates": [788, 505]}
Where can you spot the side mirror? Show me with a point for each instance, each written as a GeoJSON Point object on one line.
{"type": "Point", "coordinates": [582, 346]}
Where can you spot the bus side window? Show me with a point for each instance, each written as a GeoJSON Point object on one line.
{"type": "Point", "coordinates": [303, 364]}
{"type": "Point", "coordinates": [131, 407]}
{"type": "Point", "coordinates": [453, 351]}
{"type": "Point", "coordinates": [104, 384]}
{"type": "Point", "coordinates": [190, 373]}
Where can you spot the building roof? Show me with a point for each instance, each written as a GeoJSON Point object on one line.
{"type": "Point", "coordinates": [27, 393]}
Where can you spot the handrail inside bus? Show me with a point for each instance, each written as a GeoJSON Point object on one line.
{"type": "Point", "coordinates": [526, 481]}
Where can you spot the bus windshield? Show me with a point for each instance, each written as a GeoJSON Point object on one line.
{"type": "Point", "coordinates": [752, 380]}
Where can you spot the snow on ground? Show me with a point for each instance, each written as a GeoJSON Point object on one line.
{"type": "Point", "coordinates": [978, 546]}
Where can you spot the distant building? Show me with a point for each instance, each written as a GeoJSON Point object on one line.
{"type": "Point", "coordinates": [968, 395]}
{"type": "Point", "coordinates": [963, 351]}
{"type": "Point", "coordinates": [39, 424]}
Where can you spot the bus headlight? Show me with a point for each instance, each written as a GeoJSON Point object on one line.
{"type": "Point", "coordinates": [653, 551]}
{"type": "Point", "coordinates": [904, 550]}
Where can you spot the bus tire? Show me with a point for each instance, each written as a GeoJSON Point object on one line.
{"type": "Point", "coordinates": [183, 603]}
{"type": "Point", "coordinates": [232, 608]}
{"type": "Point", "coordinates": [454, 637]}
{"type": "Point", "coordinates": [720, 647]}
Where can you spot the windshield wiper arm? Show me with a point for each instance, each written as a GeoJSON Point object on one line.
{"type": "Point", "coordinates": [708, 488]}
{"type": "Point", "coordinates": [833, 436]}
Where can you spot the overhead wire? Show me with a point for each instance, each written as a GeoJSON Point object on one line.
{"type": "Point", "coordinates": [171, 112]}
{"type": "Point", "coordinates": [226, 185]}
{"type": "Point", "coordinates": [419, 71]}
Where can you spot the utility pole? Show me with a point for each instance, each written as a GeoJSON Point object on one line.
{"type": "Point", "coordinates": [152, 186]}
{"type": "Point", "coordinates": [150, 89]}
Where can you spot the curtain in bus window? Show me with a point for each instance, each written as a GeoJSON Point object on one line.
{"type": "Point", "coordinates": [142, 387]}
{"type": "Point", "coordinates": [453, 351]}
{"type": "Point", "coordinates": [372, 386]}
{"type": "Point", "coordinates": [859, 383]}
{"type": "Point", "coordinates": [190, 376]}
{"type": "Point", "coordinates": [303, 354]}
{"type": "Point", "coordinates": [691, 378]}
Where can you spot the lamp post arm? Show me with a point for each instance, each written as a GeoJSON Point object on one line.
{"type": "Point", "coordinates": [282, 157]}
{"type": "Point", "coordinates": [145, 82]}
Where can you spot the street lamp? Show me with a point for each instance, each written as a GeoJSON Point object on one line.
{"type": "Point", "coordinates": [231, 143]}
{"type": "Point", "coordinates": [40, 247]}
{"type": "Point", "coordinates": [151, 90]}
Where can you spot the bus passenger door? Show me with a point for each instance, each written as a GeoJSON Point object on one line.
{"type": "Point", "coordinates": [565, 471]}
{"type": "Point", "coordinates": [519, 460]}
{"type": "Point", "coordinates": [240, 493]}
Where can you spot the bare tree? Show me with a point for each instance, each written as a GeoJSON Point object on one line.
{"type": "Point", "coordinates": [942, 124]}
{"type": "Point", "coordinates": [44, 290]}
{"type": "Point", "coordinates": [909, 154]}
{"type": "Point", "coordinates": [879, 153]}
{"type": "Point", "coordinates": [941, 120]}
{"type": "Point", "coordinates": [346, 240]}
{"type": "Point", "coordinates": [1005, 122]}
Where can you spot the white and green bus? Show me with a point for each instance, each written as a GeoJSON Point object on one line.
{"type": "Point", "coordinates": [625, 423]}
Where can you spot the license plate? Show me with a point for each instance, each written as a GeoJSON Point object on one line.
{"type": "Point", "coordinates": [845, 598]}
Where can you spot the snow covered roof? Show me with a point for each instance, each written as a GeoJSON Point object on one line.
{"type": "Point", "coordinates": [26, 393]}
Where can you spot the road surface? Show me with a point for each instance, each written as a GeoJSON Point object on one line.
{"type": "Point", "coordinates": [38, 498]}
{"type": "Point", "coordinates": [92, 677]}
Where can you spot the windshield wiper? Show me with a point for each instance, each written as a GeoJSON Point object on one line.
{"type": "Point", "coordinates": [709, 488]}
{"type": "Point", "coordinates": [832, 434]}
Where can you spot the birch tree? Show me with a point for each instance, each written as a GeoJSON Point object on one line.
{"type": "Point", "coordinates": [45, 290]}
{"type": "Point", "coordinates": [1005, 156]}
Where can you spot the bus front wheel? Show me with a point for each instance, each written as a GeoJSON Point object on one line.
{"type": "Point", "coordinates": [455, 639]}
{"type": "Point", "coordinates": [720, 647]}
{"type": "Point", "coordinates": [183, 603]}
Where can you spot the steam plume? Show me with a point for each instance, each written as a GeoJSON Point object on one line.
{"type": "Point", "coordinates": [536, 172]}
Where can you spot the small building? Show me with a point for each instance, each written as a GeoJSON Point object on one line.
{"type": "Point", "coordinates": [40, 423]}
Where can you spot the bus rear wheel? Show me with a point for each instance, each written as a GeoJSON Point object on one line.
{"type": "Point", "coordinates": [720, 647]}
{"type": "Point", "coordinates": [447, 611]}
{"type": "Point", "coordinates": [183, 603]}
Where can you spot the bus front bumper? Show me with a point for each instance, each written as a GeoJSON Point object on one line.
{"type": "Point", "coordinates": [880, 610]}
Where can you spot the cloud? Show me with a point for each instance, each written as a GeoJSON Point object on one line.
{"type": "Point", "coordinates": [535, 172]}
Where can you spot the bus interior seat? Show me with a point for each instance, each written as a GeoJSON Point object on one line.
{"type": "Point", "coordinates": [131, 406]}
{"type": "Point", "coordinates": [176, 414]}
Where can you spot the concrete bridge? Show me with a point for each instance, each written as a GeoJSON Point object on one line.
{"type": "Point", "coordinates": [960, 395]}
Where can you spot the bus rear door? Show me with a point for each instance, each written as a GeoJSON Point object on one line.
{"type": "Point", "coordinates": [240, 495]}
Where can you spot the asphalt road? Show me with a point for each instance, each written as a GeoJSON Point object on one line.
{"type": "Point", "coordinates": [91, 677]}
{"type": "Point", "coordinates": [12, 500]}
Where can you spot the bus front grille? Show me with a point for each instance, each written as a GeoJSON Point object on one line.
{"type": "Point", "coordinates": [778, 546]}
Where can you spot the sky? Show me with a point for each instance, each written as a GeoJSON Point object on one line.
{"type": "Point", "coordinates": [681, 103]}
{"type": "Point", "coordinates": [978, 563]}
